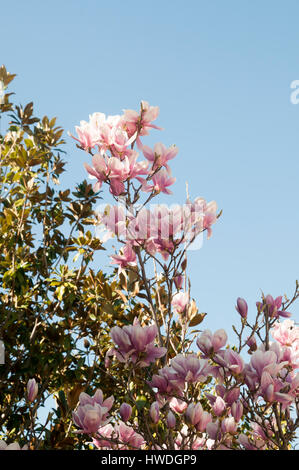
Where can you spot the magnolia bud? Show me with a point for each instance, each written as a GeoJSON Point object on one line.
{"type": "Point", "coordinates": [154, 412]}
{"type": "Point", "coordinates": [251, 342]}
{"type": "Point", "coordinates": [242, 307]}
{"type": "Point", "coordinates": [170, 421]}
{"type": "Point", "coordinates": [237, 410]}
{"type": "Point", "coordinates": [229, 425]}
{"type": "Point", "coordinates": [32, 390]}
{"type": "Point", "coordinates": [219, 406]}
{"type": "Point", "coordinates": [125, 411]}
{"type": "Point", "coordinates": [178, 281]}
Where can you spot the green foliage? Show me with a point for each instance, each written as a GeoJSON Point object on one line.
{"type": "Point", "coordinates": [55, 310]}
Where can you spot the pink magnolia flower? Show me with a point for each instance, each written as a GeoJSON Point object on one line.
{"type": "Point", "coordinates": [178, 281]}
{"type": "Point", "coordinates": [104, 434]}
{"type": "Point", "coordinates": [89, 418]}
{"type": "Point", "coordinates": [251, 444]}
{"type": "Point", "coordinates": [88, 135]}
{"type": "Point", "coordinates": [213, 430]}
{"type": "Point", "coordinates": [170, 420]}
{"type": "Point", "coordinates": [286, 333]}
{"type": "Point", "coordinates": [136, 343]}
{"type": "Point", "coordinates": [12, 446]}
{"type": "Point", "coordinates": [263, 360]}
{"type": "Point", "coordinates": [125, 411]}
{"type": "Point", "coordinates": [161, 180]}
{"type": "Point", "coordinates": [160, 155]}
{"type": "Point", "coordinates": [230, 360]}
{"type": "Point", "coordinates": [210, 217]}
{"type": "Point", "coordinates": [127, 258]}
{"type": "Point", "coordinates": [237, 410]}
{"type": "Point", "coordinates": [129, 438]}
{"type": "Point", "coordinates": [140, 122]}
{"type": "Point", "coordinates": [272, 307]}
{"type": "Point", "coordinates": [242, 307]}
{"type": "Point", "coordinates": [154, 412]}
{"type": "Point", "coordinates": [136, 168]}
{"type": "Point", "coordinates": [251, 342]}
{"type": "Point", "coordinates": [180, 301]}
{"type": "Point", "coordinates": [219, 406]}
{"type": "Point", "coordinates": [119, 142]}
{"type": "Point", "coordinates": [209, 343]}
{"type": "Point", "coordinates": [166, 382]}
{"type": "Point", "coordinates": [114, 219]}
{"type": "Point", "coordinates": [92, 412]}
{"type": "Point", "coordinates": [229, 425]}
{"type": "Point", "coordinates": [98, 170]}
{"type": "Point", "coordinates": [193, 413]}
{"type": "Point", "coordinates": [204, 420]}
{"type": "Point", "coordinates": [32, 390]}
{"type": "Point", "coordinates": [190, 368]}
{"type": "Point", "coordinates": [177, 405]}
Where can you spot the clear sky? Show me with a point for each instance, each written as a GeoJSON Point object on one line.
{"type": "Point", "coordinates": [220, 71]}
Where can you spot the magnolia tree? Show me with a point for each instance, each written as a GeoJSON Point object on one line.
{"type": "Point", "coordinates": [148, 378]}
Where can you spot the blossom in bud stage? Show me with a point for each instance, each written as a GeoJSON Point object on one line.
{"type": "Point", "coordinates": [125, 411]}
{"type": "Point", "coordinates": [32, 390]}
{"type": "Point", "coordinates": [154, 412]}
{"type": "Point", "coordinates": [232, 395]}
{"type": "Point", "coordinates": [229, 425]}
{"type": "Point", "coordinates": [219, 406]}
{"type": "Point", "coordinates": [205, 418]}
{"type": "Point", "coordinates": [242, 307]}
{"type": "Point", "coordinates": [170, 420]}
{"type": "Point", "coordinates": [178, 281]}
{"type": "Point", "coordinates": [213, 430]}
{"type": "Point", "coordinates": [193, 413]}
{"type": "Point", "coordinates": [179, 301]}
{"type": "Point", "coordinates": [237, 410]}
{"type": "Point", "coordinates": [136, 343]}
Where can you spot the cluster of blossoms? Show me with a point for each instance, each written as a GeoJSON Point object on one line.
{"type": "Point", "coordinates": [204, 398]}
{"type": "Point", "coordinates": [136, 344]}
{"type": "Point", "coordinates": [215, 421]}
{"type": "Point", "coordinates": [92, 417]}
{"type": "Point", "coordinates": [162, 229]}
{"type": "Point", "coordinates": [92, 412]}
{"type": "Point", "coordinates": [115, 162]}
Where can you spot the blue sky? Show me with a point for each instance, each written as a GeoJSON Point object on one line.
{"type": "Point", "coordinates": [220, 73]}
